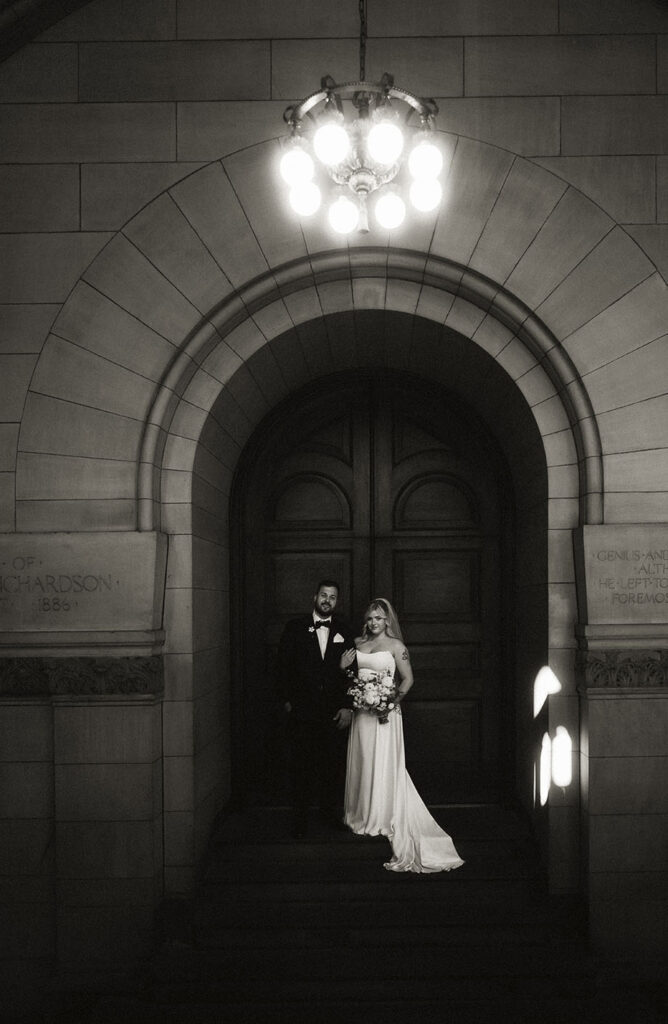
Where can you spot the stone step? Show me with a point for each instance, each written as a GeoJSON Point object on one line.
{"type": "Point", "coordinates": [273, 825]}
{"type": "Point", "coordinates": [515, 1009]}
{"type": "Point", "coordinates": [356, 849]}
{"type": "Point", "coordinates": [390, 936]}
{"type": "Point", "coordinates": [400, 889]}
{"type": "Point", "coordinates": [371, 870]}
{"type": "Point", "coordinates": [469, 987]}
{"type": "Point", "coordinates": [341, 964]}
{"type": "Point", "coordinates": [283, 930]}
{"type": "Point", "coordinates": [212, 921]}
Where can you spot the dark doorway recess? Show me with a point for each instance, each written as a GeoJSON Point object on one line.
{"type": "Point", "coordinates": [393, 486]}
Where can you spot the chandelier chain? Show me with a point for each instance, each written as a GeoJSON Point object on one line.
{"type": "Point", "coordinates": [362, 11]}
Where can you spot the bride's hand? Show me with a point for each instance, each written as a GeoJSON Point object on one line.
{"type": "Point", "coordinates": [347, 658]}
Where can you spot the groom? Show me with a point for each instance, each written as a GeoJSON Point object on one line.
{"type": "Point", "coordinates": [313, 690]}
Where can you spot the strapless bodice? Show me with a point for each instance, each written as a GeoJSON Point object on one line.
{"type": "Point", "coordinates": [377, 661]}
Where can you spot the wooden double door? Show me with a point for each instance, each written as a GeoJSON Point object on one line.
{"type": "Point", "coordinates": [395, 490]}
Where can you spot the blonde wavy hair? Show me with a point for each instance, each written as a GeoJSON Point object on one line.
{"type": "Point", "coordinates": [381, 604]}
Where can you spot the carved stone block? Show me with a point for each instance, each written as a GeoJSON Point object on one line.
{"type": "Point", "coordinates": [623, 668]}
{"type": "Point", "coordinates": [95, 676]}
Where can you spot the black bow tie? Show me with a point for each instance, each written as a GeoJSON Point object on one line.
{"type": "Point", "coordinates": [322, 622]}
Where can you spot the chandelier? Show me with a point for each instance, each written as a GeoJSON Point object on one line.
{"type": "Point", "coordinates": [360, 138]}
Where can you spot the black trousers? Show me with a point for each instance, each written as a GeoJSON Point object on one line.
{"type": "Point", "coordinates": [317, 764]}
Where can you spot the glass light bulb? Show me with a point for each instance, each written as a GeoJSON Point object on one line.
{"type": "Point", "coordinates": [425, 160]}
{"type": "Point", "coordinates": [385, 142]}
{"type": "Point", "coordinates": [426, 194]}
{"type": "Point", "coordinates": [305, 198]}
{"type": "Point", "coordinates": [390, 211]}
{"type": "Point", "coordinates": [331, 143]}
{"type": "Point", "coordinates": [343, 215]}
{"type": "Point", "coordinates": [296, 166]}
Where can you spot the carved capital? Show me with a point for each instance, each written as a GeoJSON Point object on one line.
{"type": "Point", "coordinates": [623, 669]}
{"type": "Point", "coordinates": [80, 676]}
{"type": "Point", "coordinates": [21, 677]}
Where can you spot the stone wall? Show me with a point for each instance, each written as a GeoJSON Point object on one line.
{"type": "Point", "coordinates": [623, 639]}
{"type": "Point", "coordinates": [158, 118]}
{"type": "Point", "coordinates": [625, 738]}
{"type": "Point", "coordinates": [115, 103]}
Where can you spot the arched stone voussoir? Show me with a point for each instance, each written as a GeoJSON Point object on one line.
{"type": "Point", "coordinates": [210, 204]}
{"type": "Point", "coordinates": [76, 374]}
{"type": "Point", "coordinates": [402, 295]}
{"type": "Point", "coordinates": [253, 173]}
{"type": "Point", "coordinates": [471, 305]}
{"type": "Point", "coordinates": [224, 231]}
{"type": "Point", "coordinates": [526, 199]}
{"type": "Point", "coordinates": [369, 293]}
{"type": "Point", "coordinates": [95, 322]}
{"type": "Point", "coordinates": [51, 425]}
{"type": "Point", "coordinates": [125, 275]}
{"type": "Point", "coordinates": [215, 275]}
{"type": "Point", "coordinates": [164, 235]}
{"type": "Point", "coordinates": [536, 386]}
{"type": "Point", "coordinates": [573, 229]}
{"type": "Point", "coordinates": [636, 319]}
{"type": "Point", "coordinates": [475, 178]}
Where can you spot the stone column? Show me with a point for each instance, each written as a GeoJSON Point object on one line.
{"type": "Point", "coordinates": [81, 692]}
{"type": "Point", "coordinates": [108, 811]}
{"type": "Point", "coordinates": [27, 849]}
{"type": "Point", "coordinates": [623, 673]}
{"type": "Point", "coordinates": [625, 765]}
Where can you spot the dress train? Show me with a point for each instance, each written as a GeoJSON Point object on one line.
{"type": "Point", "coordinates": [380, 797]}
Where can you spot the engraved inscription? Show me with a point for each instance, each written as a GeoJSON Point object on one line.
{"type": "Point", "coordinates": [62, 582]}
{"type": "Point", "coordinates": [633, 577]}
{"type": "Point", "coordinates": [26, 576]}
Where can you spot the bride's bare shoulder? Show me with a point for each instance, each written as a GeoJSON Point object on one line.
{"type": "Point", "coordinates": [397, 647]}
{"type": "Point", "coordinates": [359, 640]}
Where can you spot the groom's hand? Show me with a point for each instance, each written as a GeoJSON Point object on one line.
{"type": "Point", "coordinates": [343, 718]}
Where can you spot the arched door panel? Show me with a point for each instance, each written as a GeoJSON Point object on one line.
{"type": "Point", "coordinates": [393, 490]}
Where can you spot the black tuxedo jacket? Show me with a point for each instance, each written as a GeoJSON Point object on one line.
{"type": "Point", "coordinates": [314, 686]}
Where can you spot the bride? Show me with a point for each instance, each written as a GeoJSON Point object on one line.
{"type": "Point", "coordinates": [380, 798]}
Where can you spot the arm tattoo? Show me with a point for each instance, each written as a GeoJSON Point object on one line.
{"type": "Point", "coordinates": [404, 655]}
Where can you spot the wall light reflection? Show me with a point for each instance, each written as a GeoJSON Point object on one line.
{"type": "Point", "coordinates": [562, 757]}
{"type": "Point", "coordinates": [545, 683]}
{"type": "Point", "coordinates": [545, 769]}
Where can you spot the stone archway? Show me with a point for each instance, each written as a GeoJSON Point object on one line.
{"type": "Point", "coordinates": [223, 387]}
{"type": "Point", "coordinates": [174, 266]}
{"type": "Point", "coordinates": [183, 307]}
{"type": "Point", "coordinates": [499, 324]}
{"type": "Point", "coordinates": [470, 392]}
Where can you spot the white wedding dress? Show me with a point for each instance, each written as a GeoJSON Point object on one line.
{"type": "Point", "coordinates": [380, 796]}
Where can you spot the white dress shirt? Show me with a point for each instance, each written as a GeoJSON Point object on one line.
{"type": "Point", "coordinates": [322, 635]}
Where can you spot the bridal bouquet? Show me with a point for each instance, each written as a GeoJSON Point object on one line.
{"type": "Point", "coordinates": [373, 692]}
